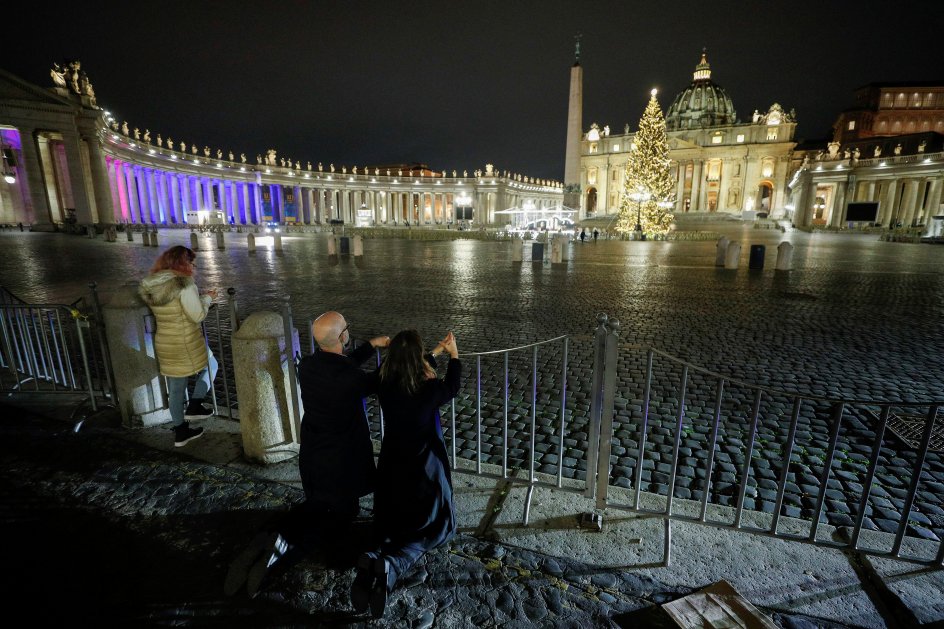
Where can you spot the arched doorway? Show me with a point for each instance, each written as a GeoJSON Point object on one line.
{"type": "Point", "coordinates": [765, 196]}
{"type": "Point", "coordinates": [591, 201]}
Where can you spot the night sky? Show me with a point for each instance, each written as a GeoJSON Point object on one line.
{"type": "Point", "coordinates": [456, 85]}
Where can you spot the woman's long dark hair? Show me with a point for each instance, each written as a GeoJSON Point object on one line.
{"type": "Point", "coordinates": [405, 367]}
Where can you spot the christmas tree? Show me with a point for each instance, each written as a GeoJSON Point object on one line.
{"type": "Point", "coordinates": [648, 182]}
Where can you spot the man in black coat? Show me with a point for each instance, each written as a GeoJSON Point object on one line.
{"type": "Point", "coordinates": [336, 461]}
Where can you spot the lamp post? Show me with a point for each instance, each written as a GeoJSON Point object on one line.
{"type": "Point", "coordinates": [462, 201]}
{"type": "Point", "coordinates": [640, 197]}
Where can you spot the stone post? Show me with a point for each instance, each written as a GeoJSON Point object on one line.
{"type": "Point", "coordinates": [154, 238]}
{"type": "Point", "coordinates": [146, 237]}
{"type": "Point", "coordinates": [556, 247]}
{"type": "Point", "coordinates": [721, 251]}
{"type": "Point", "coordinates": [194, 241]}
{"type": "Point", "coordinates": [733, 256]}
{"type": "Point", "coordinates": [785, 256]}
{"type": "Point", "coordinates": [260, 362]}
{"type": "Point", "coordinates": [129, 328]}
{"type": "Point", "coordinates": [277, 242]}
{"type": "Point", "coordinates": [129, 232]}
{"type": "Point", "coordinates": [220, 244]}
{"type": "Point", "coordinates": [358, 246]}
{"type": "Point", "coordinates": [517, 250]}
{"type": "Point", "coordinates": [332, 246]}
{"type": "Point", "coordinates": [251, 242]}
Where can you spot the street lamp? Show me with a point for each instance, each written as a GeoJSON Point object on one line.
{"type": "Point", "coordinates": [640, 197]}
{"type": "Point", "coordinates": [9, 175]}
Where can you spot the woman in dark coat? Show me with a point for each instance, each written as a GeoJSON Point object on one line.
{"type": "Point", "coordinates": [413, 508]}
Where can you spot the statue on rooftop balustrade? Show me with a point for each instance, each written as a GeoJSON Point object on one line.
{"type": "Point", "coordinates": [147, 136]}
{"type": "Point", "coordinates": [170, 143]}
{"type": "Point", "coordinates": [160, 141]}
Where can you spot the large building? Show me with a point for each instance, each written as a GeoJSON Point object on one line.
{"type": "Point", "coordinates": [720, 164]}
{"type": "Point", "coordinates": [67, 162]}
{"type": "Point", "coordinates": [886, 157]}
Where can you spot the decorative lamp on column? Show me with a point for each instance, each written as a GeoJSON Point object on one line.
{"type": "Point", "coordinates": [463, 201]}
{"type": "Point", "coordinates": [640, 196]}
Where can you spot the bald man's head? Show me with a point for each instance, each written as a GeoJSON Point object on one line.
{"type": "Point", "coordinates": [327, 331]}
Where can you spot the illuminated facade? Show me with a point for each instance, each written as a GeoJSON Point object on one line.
{"type": "Point", "coordinates": [719, 163]}
{"type": "Point", "coordinates": [69, 162]}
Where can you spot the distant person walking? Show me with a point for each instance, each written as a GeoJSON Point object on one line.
{"type": "Point", "coordinates": [413, 503]}
{"type": "Point", "coordinates": [171, 294]}
{"type": "Point", "coordinates": [583, 234]}
{"type": "Point", "coordinates": [596, 234]}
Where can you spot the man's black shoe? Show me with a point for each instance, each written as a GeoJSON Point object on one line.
{"type": "Point", "coordinates": [196, 409]}
{"type": "Point", "coordinates": [378, 593]}
{"type": "Point", "coordinates": [274, 549]}
{"type": "Point", "coordinates": [184, 434]}
{"type": "Point", "coordinates": [239, 570]}
{"type": "Point", "coordinates": [363, 582]}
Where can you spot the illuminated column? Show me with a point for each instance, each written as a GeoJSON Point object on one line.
{"type": "Point", "coordinates": [140, 183]}
{"type": "Point", "coordinates": [257, 196]}
{"type": "Point", "coordinates": [934, 201]}
{"type": "Point", "coordinates": [247, 209]}
{"type": "Point", "coordinates": [127, 173]}
{"type": "Point", "coordinates": [111, 167]}
{"type": "Point", "coordinates": [220, 186]}
{"type": "Point", "coordinates": [680, 188]}
{"type": "Point", "coordinates": [177, 208]}
{"type": "Point", "coordinates": [871, 191]}
{"type": "Point", "coordinates": [101, 192]}
{"type": "Point", "coordinates": [84, 201]}
{"type": "Point", "coordinates": [696, 186]}
{"type": "Point", "coordinates": [152, 194]}
{"type": "Point", "coordinates": [909, 202]}
{"type": "Point", "coordinates": [888, 206]}
{"type": "Point", "coordinates": [35, 199]}
{"type": "Point", "coordinates": [207, 186]}
{"type": "Point", "coordinates": [238, 216]}
{"type": "Point", "coordinates": [836, 215]}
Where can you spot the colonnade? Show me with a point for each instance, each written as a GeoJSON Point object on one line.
{"type": "Point", "coordinates": [908, 190]}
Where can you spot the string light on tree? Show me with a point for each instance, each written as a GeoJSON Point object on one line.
{"type": "Point", "coordinates": [648, 186]}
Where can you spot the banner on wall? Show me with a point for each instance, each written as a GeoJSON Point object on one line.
{"type": "Point", "coordinates": [266, 205]}
{"type": "Point", "coordinates": [289, 207]}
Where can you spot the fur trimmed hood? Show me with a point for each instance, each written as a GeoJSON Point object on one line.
{"type": "Point", "coordinates": [163, 287]}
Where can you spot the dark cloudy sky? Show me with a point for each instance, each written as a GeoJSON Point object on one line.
{"type": "Point", "coordinates": [458, 84]}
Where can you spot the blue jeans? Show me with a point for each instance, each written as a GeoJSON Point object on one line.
{"type": "Point", "coordinates": [177, 388]}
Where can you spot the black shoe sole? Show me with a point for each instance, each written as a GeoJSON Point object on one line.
{"type": "Point", "coordinates": [378, 593]}
{"type": "Point", "coordinates": [180, 444]}
{"type": "Point", "coordinates": [362, 585]}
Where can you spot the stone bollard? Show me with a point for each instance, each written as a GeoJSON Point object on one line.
{"type": "Point", "coordinates": [277, 242]}
{"type": "Point", "coordinates": [220, 244]}
{"type": "Point", "coordinates": [260, 361]}
{"type": "Point", "coordinates": [721, 251]}
{"type": "Point", "coordinates": [358, 246]}
{"type": "Point", "coordinates": [785, 256]}
{"type": "Point", "coordinates": [154, 238]}
{"type": "Point", "coordinates": [129, 233]}
{"type": "Point", "coordinates": [517, 250]}
{"type": "Point", "coordinates": [565, 248]}
{"type": "Point", "coordinates": [556, 253]}
{"type": "Point", "coordinates": [194, 241]}
{"type": "Point", "coordinates": [129, 328]}
{"type": "Point", "coordinates": [332, 246]}
{"type": "Point", "coordinates": [733, 256]}
{"type": "Point", "coordinates": [146, 237]}
{"type": "Point", "coordinates": [90, 231]}
{"type": "Point", "coordinates": [251, 241]}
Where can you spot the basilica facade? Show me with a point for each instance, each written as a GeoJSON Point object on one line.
{"type": "Point", "coordinates": [719, 163]}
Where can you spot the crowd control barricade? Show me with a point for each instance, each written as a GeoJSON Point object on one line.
{"type": "Point", "coordinates": [48, 349]}
{"type": "Point", "coordinates": [725, 453]}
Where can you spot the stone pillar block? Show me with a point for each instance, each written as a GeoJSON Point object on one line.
{"type": "Point", "coordinates": [129, 328]}
{"type": "Point", "coordinates": [194, 241]}
{"type": "Point", "coordinates": [129, 232]}
{"type": "Point", "coordinates": [277, 242]}
{"type": "Point", "coordinates": [785, 256]}
{"type": "Point", "coordinates": [332, 246]}
{"type": "Point", "coordinates": [358, 246]}
{"type": "Point", "coordinates": [220, 243]}
{"type": "Point", "coordinates": [251, 242]}
{"type": "Point", "coordinates": [556, 247]}
{"type": "Point", "coordinates": [266, 412]}
{"type": "Point", "coordinates": [154, 238]}
{"type": "Point", "coordinates": [517, 250]}
{"type": "Point", "coordinates": [722, 251]}
{"type": "Point", "coordinates": [733, 256]}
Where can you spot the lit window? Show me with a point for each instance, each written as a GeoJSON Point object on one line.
{"type": "Point", "coordinates": [717, 139]}
{"type": "Point", "coordinates": [851, 125]}
{"type": "Point", "coordinates": [740, 137]}
{"type": "Point", "coordinates": [771, 134]}
{"type": "Point", "coordinates": [616, 147]}
{"type": "Point", "coordinates": [593, 147]}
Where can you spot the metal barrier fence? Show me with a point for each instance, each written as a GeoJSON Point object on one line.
{"type": "Point", "coordinates": [725, 453]}
{"type": "Point", "coordinates": [54, 349]}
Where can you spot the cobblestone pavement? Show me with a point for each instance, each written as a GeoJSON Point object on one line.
{"type": "Point", "coordinates": [100, 529]}
{"type": "Point", "coordinates": [857, 318]}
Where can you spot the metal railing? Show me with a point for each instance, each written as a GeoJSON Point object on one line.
{"type": "Point", "coordinates": [54, 349]}
{"type": "Point", "coordinates": [770, 462]}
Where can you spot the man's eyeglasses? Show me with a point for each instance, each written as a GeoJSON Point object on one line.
{"type": "Point", "coordinates": [341, 335]}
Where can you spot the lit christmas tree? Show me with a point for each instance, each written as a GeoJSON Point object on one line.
{"type": "Point", "coordinates": [648, 183]}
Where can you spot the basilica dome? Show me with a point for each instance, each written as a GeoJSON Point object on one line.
{"type": "Point", "coordinates": [701, 104]}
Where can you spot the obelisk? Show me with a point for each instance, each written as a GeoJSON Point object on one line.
{"type": "Point", "coordinates": [574, 131]}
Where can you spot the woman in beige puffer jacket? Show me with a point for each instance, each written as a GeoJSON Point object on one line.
{"type": "Point", "coordinates": [171, 294]}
